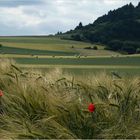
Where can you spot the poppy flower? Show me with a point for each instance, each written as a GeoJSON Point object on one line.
{"type": "Point", "coordinates": [91, 107]}
{"type": "Point", "coordinates": [1, 93]}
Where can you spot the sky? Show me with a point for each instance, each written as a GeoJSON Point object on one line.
{"type": "Point", "coordinates": [43, 17]}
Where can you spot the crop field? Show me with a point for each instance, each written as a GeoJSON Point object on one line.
{"type": "Point", "coordinates": [51, 44]}
{"type": "Point", "coordinates": [50, 52]}
{"type": "Point", "coordinates": [130, 61]}
{"type": "Point", "coordinates": [22, 51]}
{"type": "Point", "coordinates": [53, 105]}
{"type": "Point", "coordinates": [48, 86]}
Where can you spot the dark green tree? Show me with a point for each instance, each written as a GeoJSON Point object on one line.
{"type": "Point", "coordinates": [80, 26]}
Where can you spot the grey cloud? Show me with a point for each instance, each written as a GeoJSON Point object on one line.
{"type": "Point", "coordinates": [21, 17]}
{"type": "Point", "coordinates": [15, 3]}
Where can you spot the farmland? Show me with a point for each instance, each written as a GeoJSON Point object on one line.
{"type": "Point", "coordinates": [50, 52]}
{"type": "Point", "coordinates": [52, 105]}
{"type": "Point", "coordinates": [38, 73]}
{"type": "Point", "coordinates": [62, 81]}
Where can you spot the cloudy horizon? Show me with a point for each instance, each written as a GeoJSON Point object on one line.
{"type": "Point", "coordinates": [43, 17]}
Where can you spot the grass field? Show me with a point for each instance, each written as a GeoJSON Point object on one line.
{"type": "Point", "coordinates": [50, 52]}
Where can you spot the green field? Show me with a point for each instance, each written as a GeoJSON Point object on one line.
{"type": "Point", "coordinates": [125, 61]}
{"type": "Point", "coordinates": [51, 44]}
{"type": "Point", "coordinates": [25, 51]}
{"type": "Point", "coordinates": [50, 52]}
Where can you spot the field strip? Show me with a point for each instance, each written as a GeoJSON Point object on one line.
{"type": "Point", "coordinates": [79, 66]}
{"type": "Point", "coordinates": [10, 56]}
{"type": "Point", "coordinates": [40, 47]}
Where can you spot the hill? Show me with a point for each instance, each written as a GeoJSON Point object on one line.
{"type": "Point", "coordinates": [119, 30]}
{"type": "Point", "coordinates": [50, 46]}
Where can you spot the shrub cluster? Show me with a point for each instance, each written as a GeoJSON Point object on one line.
{"type": "Point", "coordinates": [124, 46]}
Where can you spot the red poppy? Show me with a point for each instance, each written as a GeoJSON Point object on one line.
{"type": "Point", "coordinates": [91, 107]}
{"type": "Point", "coordinates": [1, 93]}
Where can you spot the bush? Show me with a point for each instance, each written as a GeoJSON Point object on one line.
{"type": "Point", "coordinates": [91, 48]}
{"type": "Point", "coordinates": [123, 46]}
{"type": "Point", "coordinates": [88, 48]}
{"type": "Point", "coordinates": [95, 48]}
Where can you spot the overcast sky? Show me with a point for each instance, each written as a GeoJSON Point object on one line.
{"type": "Point", "coordinates": [40, 17]}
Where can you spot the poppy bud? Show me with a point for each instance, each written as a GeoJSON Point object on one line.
{"type": "Point", "coordinates": [1, 93]}
{"type": "Point", "coordinates": [91, 107]}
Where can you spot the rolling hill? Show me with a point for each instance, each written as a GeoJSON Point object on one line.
{"type": "Point", "coordinates": [119, 30]}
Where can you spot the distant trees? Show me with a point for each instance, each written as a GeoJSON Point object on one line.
{"type": "Point", "coordinates": [76, 37]}
{"type": "Point", "coordinates": [80, 26]}
{"type": "Point", "coordinates": [0, 48]}
{"type": "Point", "coordinates": [119, 29]}
{"type": "Point", "coordinates": [91, 48]}
{"type": "Point", "coordinates": [125, 12]}
{"type": "Point", "coordinates": [138, 51]}
{"type": "Point", "coordinates": [58, 33]}
{"type": "Point", "coordinates": [129, 49]}
{"type": "Point", "coordinates": [115, 45]}
{"type": "Point", "coordinates": [138, 5]}
{"type": "Point", "coordinates": [124, 46]}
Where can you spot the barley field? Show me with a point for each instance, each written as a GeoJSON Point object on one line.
{"type": "Point", "coordinates": [42, 105]}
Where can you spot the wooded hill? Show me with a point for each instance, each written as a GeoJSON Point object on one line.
{"type": "Point", "coordinates": [119, 30]}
